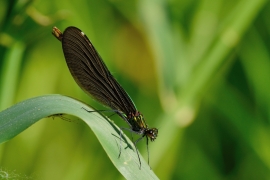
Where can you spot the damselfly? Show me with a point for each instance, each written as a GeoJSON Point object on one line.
{"type": "Point", "coordinates": [92, 75]}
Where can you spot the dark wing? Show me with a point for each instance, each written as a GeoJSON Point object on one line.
{"type": "Point", "coordinates": [90, 72]}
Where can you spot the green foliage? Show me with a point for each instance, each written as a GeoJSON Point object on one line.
{"type": "Point", "coordinates": [197, 70]}
{"type": "Point", "coordinates": [22, 115]}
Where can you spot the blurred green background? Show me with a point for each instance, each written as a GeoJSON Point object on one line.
{"type": "Point", "coordinates": [198, 71]}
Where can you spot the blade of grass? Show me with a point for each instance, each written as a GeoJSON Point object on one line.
{"type": "Point", "coordinates": [9, 75]}
{"type": "Point", "coordinates": [19, 117]}
{"type": "Point", "coordinates": [236, 24]}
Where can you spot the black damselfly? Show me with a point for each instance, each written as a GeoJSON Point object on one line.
{"type": "Point", "coordinates": [92, 75]}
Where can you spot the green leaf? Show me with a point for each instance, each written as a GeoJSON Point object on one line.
{"type": "Point", "coordinates": [19, 117]}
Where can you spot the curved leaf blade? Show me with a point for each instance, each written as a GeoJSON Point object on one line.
{"type": "Point", "coordinates": [19, 117]}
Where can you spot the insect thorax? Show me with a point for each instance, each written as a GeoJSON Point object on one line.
{"type": "Point", "coordinates": [137, 122]}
